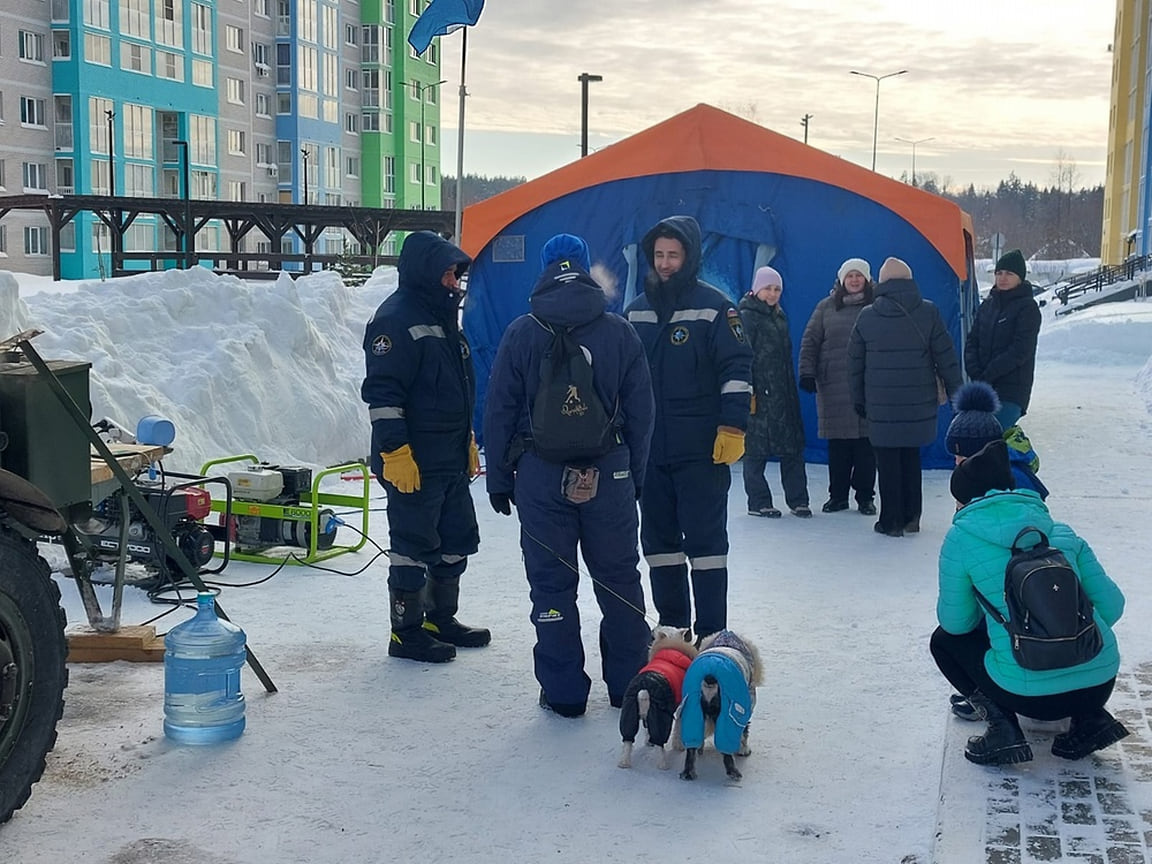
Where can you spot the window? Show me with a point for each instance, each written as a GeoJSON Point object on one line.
{"type": "Point", "coordinates": [307, 106]}
{"type": "Point", "coordinates": [331, 75]}
{"type": "Point", "coordinates": [35, 176]}
{"type": "Point", "coordinates": [169, 65]}
{"type": "Point", "coordinates": [96, 13]}
{"type": "Point", "coordinates": [202, 132]}
{"type": "Point", "coordinates": [430, 94]}
{"type": "Point", "coordinates": [370, 44]}
{"type": "Point", "coordinates": [137, 131]}
{"type": "Point", "coordinates": [98, 49]}
{"type": "Point", "coordinates": [62, 115]}
{"type": "Point", "coordinates": [260, 54]}
{"type": "Point", "coordinates": [430, 135]}
{"type": "Point", "coordinates": [351, 123]}
{"type": "Point", "coordinates": [98, 124]}
{"type": "Point", "coordinates": [2, 186]}
{"type": "Point", "coordinates": [68, 237]}
{"type": "Point", "coordinates": [414, 90]}
{"type": "Point", "coordinates": [134, 15]}
{"type": "Point", "coordinates": [332, 167]}
{"type": "Point", "coordinates": [61, 45]}
{"type": "Point", "coordinates": [170, 22]}
{"type": "Point", "coordinates": [263, 153]}
{"type": "Point", "coordinates": [352, 166]}
{"type": "Point", "coordinates": [65, 177]}
{"type": "Point", "coordinates": [331, 33]}
{"type": "Point", "coordinates": [430, 179]}
{"type": "Point", "coordinates": [414, 173]}
{"type": "Point", "coordinates": [414, 131]}
{"type": "Point", "coordinates": [236, 146]}
{"type": "Point", "coordinates": [60, 10]}
{"type": "Point", "coordinates": [283, 64]}
{"type": "Point", "coordinates": [370, 122]}
{"type": "Point", "coordinates": [306, 20]}
{"type": "Point", "coordinates": [138, 180]}
{"type": "Point", "coordinates": [35, 240]}
{"type": "Point", "coordinates": [370, 97]}
{"type": "Point", "coordinates": [202, 73]}
{"type": "Point", "coordinates": [201, 29]}
{"type": "Point", "coordinates": [433, 53]}
{"type": "Point", "coordinates": [237, 190]}
{"type": "Point", "coordinates": [236, 91]}
{"type": "Point", "coordinates": [263, 108]}
{"type": "Point", "coordinates": [307, 77]}
{"type": "Point", "coordinates": [1, 107]}
{"type": "Point", "coordinates": [414, 7]}
{"type": "Point", "coordinates": [135, 58]}
{"type": "Point", "coordinates": [260, 7]}
{"type": "Point", "coordinates": [283, 17]}
{"type": "Point", "coordinates": [4, 241]}
{"type": "Point", "coordinates": [32, 112]}
{"type": "Point", "coordinates": [234, 38]}
{"type": "Point", "coordinates": [31, 46]}
{"type": "Point", "coordinates": [204, 185]}
{"type": "Point", "coordinates": [349, 34]}
{"type": "Point", "coordinates": [283, 103]}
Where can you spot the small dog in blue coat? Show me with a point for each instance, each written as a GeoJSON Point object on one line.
{"type": "Point", "coordinates": [719, 695]}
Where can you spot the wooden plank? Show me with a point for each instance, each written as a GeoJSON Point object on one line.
{"type": "Point", "coordinates": [136, 644]}
{"type": "Point", "coordinates": [133, 458]}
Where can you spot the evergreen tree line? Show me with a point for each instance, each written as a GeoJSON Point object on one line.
{"type": "Point", "coordinates": [1050, 222]}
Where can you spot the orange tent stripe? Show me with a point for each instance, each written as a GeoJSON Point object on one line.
{"type": "Point", "coordinates": [704, 138]}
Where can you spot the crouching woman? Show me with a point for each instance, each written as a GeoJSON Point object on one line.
{"type": "Point", "coordinates": [973, 650]}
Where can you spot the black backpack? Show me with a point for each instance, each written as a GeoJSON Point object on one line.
{"type": "Point", "coordinates": [1050, 618]}
{"type": "Point", "coordinates": [569, 422]}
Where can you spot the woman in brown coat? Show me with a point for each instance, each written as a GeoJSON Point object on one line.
{"type": "Point", "coordinates": [824, 371]}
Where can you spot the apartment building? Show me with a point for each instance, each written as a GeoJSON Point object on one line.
{"type": "Point", "coordinates": [259, 100]}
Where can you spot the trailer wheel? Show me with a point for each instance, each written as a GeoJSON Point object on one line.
{"type": "Point", "coordinates": [33, 673]}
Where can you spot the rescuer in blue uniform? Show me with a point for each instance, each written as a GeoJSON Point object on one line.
{"type": "Point", "coordinates": [552, 525]}
{"type": "Point", "coordinates": [420, 390]}
{"type": "Point", "coordinates": [701, 369]}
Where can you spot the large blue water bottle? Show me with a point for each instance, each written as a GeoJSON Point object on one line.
{"type": "Point", "coordinates": [202, 659]}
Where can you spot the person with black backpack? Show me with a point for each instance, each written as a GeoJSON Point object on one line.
{"type": "Point", "coordinates": [567, 426]}
{"type": "Point", "coordinates": [1026, 613]}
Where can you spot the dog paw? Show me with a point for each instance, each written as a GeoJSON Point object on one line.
{"type": "Point", "coordinates": [687, 775]}
{"type": "Point", "coordinates": [744, 751]}
{"type": "Point", "coordinates": [624, 763]}
{"type": "Point", "coordinates": [734, 774]}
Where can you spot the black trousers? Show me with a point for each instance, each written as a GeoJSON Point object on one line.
{"type": "Point", "coordinates": [961, 660]}
{"type": "Point", "coordinates": [901, 498]}
{"type": "Point", "coordinates": [851, 466]}
{"type": "Point", "coordinates": [793, 477]}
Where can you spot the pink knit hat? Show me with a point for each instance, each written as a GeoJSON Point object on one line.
{"type": "Point", "coordinates": [765, 277]}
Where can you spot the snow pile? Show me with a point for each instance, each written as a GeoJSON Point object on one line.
{"type": "Point", "coordinates": [1108, 334]}
{"type": "Point", "coordinates": [271, 368]}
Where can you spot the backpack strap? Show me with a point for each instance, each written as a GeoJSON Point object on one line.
{"type": "Point", "coordinates": [1028, 529]}
{"type": "Point", "coordinates": [989, 608]}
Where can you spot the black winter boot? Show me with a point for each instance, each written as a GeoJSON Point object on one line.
{"type": "Point", "coordinates": [1003, 742]}
{"type": "Point", "coordinates": [409, 638]}
{"type": "Point", "coordinates": [442, 597]}
{"type": "Point", "coordinates": [1087, 734]}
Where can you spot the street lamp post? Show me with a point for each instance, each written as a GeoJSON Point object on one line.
{"type": "Point", "coordinates": [111, 115]}
{"type": "Point", "coordinates": [420, 87]}
{"type": "Point", "coordinates": [304, 154]}
{"type": "Point", "coordinates": [584, 78]}
{"type": "Point", "coordinates": [876, 113]}
{"type": "Point", "coordinates": [804, 122]}
{"type": "Point", "coordinates": [914, 143]}
{"type": "Point", "coordinates": [189, 237]}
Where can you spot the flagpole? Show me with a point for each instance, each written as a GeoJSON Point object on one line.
{"type": "Point", "coordinates": [460, 140]}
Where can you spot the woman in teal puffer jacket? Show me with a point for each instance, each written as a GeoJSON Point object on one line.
{"type": "Point", "coordinates": [973, 651]}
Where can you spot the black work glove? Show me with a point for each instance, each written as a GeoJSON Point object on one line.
{"type": "Point", "coordinates": [860, 411]}
{"type": "Point", "coordinates": [808, 383]}
{"type": "Point", "coordinates": [502, 502]}
{"type": "Point", "coordinates": [637, 493]}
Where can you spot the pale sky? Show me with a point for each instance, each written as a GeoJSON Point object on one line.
{"type": "Point", "coordinates": [1001, 85]}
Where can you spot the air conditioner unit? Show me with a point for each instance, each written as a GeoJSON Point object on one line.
{"type": "Point", "coordinates": [262, 69]}
{"type": "Point", "coordinates": [273, 170]}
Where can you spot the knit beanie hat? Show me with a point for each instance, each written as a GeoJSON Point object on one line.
{"type": "Point", "coordinates": [979, 474]}
{"type": "Point", "coordinates": [975, 423]}
{"type": "Point", "coordinates": [1013, 261]}
{"type": "Point", "coordinates": [764, 278]}
{"type": "Point", "coordinates": [894, 268]}
{"type": "Point", "coordinates": [851, 264]}
{"type": "Point", "coordinates": [566, 247]}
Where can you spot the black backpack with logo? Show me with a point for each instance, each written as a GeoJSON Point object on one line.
{"type": "Point", "coordinates": [569, 422]}
{"type": "Point", "coordinates": [1050, 618]}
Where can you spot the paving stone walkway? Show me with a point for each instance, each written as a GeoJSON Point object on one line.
{"type": "Point", "coordinates": [1095, 811]}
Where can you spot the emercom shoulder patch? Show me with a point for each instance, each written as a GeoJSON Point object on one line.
{"type": "Point", "coordinates": [736, 325]}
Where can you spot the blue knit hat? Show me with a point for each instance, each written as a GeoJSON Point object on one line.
{"type": "Point", "coordinates": [975, 423]}
{"type": "Point", "coordinates": [566, 247]}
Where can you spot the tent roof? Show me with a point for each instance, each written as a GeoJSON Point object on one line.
{"type": "Point", "coordinates": [705, 138]}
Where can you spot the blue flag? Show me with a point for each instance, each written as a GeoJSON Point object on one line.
{"type": "Point", "coordinates": [442, 17]}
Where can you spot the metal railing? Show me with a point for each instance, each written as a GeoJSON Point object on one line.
{"type": "Point", "coordinates": [1098, 279]}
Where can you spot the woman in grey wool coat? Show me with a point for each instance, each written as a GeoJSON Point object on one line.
{"type": "Point", "coordinates": [897, 348]}
{"type": "Point", "coordinates": [775, 427]}
{"type": "Point", "coordinates": [824, 371]}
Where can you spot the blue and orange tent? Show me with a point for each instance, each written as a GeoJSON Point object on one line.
{"type": "Point", "coordinates": [760, 198]}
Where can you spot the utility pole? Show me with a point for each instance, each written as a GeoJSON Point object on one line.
{"type": "Point", "coordinates": [189, 235]}
{"type": "Point", "coordinates": [584, 78]}
{"type": "Point", "coordinates": [876, 111]}
{"type": "Point", "coordinates": [304, 153]}
{"type": "Point", "coordinates": [804, 122]}
{"type": "Point", "coordinates": [111, 115]}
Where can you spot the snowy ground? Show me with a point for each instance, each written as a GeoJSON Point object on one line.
{"type": "Point", "coordinates": [362, 758]}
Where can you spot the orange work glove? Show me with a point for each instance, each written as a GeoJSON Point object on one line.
{"type": "Point", "coordinates": [729, 446]}
{"type": "Point", "coordinates": [473, 458]}
{"type": "Point", "coordinates": [752, 405]}
{"type": "Point", "coordinates": [400, 469]}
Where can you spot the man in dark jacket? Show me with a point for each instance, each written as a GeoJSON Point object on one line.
{"type": "Point", "coordinates": [552, 523]}
{"type": "Point", "coordinates": [420, 391]}
{"type": "Point", "coordinates": [896, 351]}
{"type": "Point", "coordinates": [1001, 346]}
{"type": "Point", "coordinates": [702, 380]}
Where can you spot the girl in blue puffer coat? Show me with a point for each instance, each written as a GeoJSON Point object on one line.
{"type": "Point", "coordinates": [973, 651]}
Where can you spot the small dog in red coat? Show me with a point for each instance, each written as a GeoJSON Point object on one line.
{"type": "Point", "coordinates": [654, 694]}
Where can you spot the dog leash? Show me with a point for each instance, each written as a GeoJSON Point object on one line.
{"type": "Point", "coordinates": [580, 572]}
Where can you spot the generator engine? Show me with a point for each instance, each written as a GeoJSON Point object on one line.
{"type": "Point", "coordinates": [281, 486]}
{"type": "Point", "coordinates": [181, 510]}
